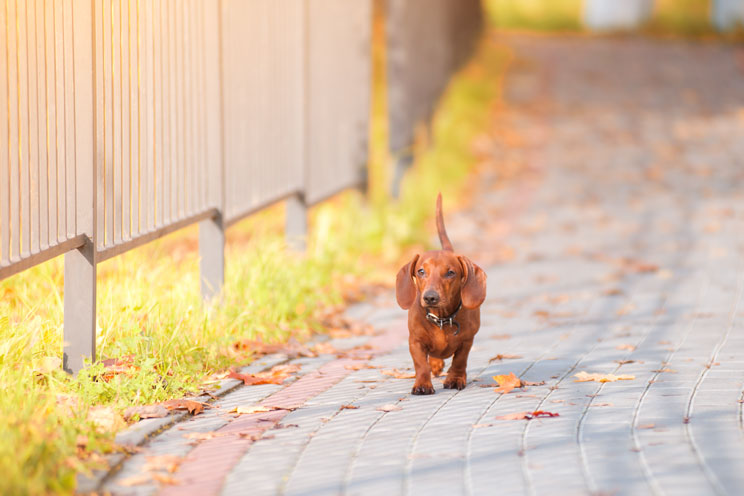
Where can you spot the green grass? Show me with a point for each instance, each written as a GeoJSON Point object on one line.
{"type": "Point", "coordinates": [537, 15]}
{"type": "Point", "coordinates": [149, 304]}
{"type": "Point", "coordinates": [670, 17]}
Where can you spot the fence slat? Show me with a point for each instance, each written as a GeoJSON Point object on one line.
{"type": "Point", "coordinates": [37, 112]}
{"type": "Point", "coordinates": [117, 120]}
{"type": "Point", "coordinates": [51, 123]}
{"type": "Point", "coordinates": [68, 37]}
{"type": "Point", "coordinates": [126, 121]}
{"type": "Point", "coordinates": [135, 74]}
{"type": "Point", "coordinates": [5, 148]}
{"type": "Point", "coordinates": [60, 123]}
{"type": "Point", "coordinates": [159, 114]}
{"type": "Point", "coordinates": [147, 100]}
{"type": "Point", "coordinates": [23, 131]}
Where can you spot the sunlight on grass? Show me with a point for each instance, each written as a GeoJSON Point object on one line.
{"type": "Point", "coordinates": [539, 15]}
{"type": "Point", "coordinates": [669, 17]}
{"type": "Point", "coordinates": [150, 312]}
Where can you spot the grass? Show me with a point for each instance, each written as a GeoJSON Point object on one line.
{"type": "Point", "coordinates": [690, 18]}
{"type": "Point", "coordinates": [150, 309]}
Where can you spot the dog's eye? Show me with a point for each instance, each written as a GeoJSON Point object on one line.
{"type": "Point", "coordinates": [421, 272]}
{"type": "Point", "coordinates": [450, 273]}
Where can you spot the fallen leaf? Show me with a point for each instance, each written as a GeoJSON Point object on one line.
{"type": "Point", "coordinates": [624, 362]}
{"type": "Point", "coordinates": [663, 370]}
{"type": "Point", "coordinates": [106, 419]}
{"type": "Point", "coordinates": [145, 412]}
{"type": "Point", "coordinates": [200, 436]}
{"type": "Point", "coordinates": [628, 347]}
{"type": "Point", "coordinates": [626, 309]}
{"type": "Point", "coordinates": [530, 383]}
{"type": "Point", "coordinates": [250, 409]}
{"type": "Point", "coordinates": [292, 349]}
{"type": "Point", "coordinates": [255, 436]}
{"type": "Point", "coordinates": [324, 349]}
{"type": "Point", "coordinates": [503, 356]}
{"type": "Point", "coordinates": [527, 415]}
{"type": "Point", "coordinates": [277, 375]}
{"type": "Point", "coordinates": [507, 382]}
{"type": "Point", "coordinates": [193, 407]}
{"type": "Point", "coordinates": [613, 292]}
{"type": "Point", "coordinates": [115, 366]}
{"type": "Point", "coordinates": [585, 377]}
{"type": "Point", "coordinates": [349, 407]}
{"type": "Point", "coordinates": [602, 404]}
{"type": "Point", "coordinates": [165, 479]}
{"type": "Point", "coordinates": [398, 374]}
{"type": "Point", "coordinates": [647, 426]}
{"type": "Point", "coordinates": [135, 480]}
{"type": "Point", "coordinates": [168, 463]}
{"type": "Point", "coordinates": [390, 407]}
{"type": "Point", "coordinates": [354, 366]}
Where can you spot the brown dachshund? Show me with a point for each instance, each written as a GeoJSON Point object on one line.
{"type": "Point", "coordinates": [442, 292]}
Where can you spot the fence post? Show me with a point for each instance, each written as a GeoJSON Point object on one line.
{"type": "Point", "coordinates": [212, 256]}
{"type": "Point", "coordinates": [296, 222]}
{"type": "Point", "coordinates": [80, 307]}
{"type": "Point", "coordinates": [80, 264]}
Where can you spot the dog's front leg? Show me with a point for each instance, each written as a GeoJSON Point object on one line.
{"type": "Point", "coordinates": [457, 373]}
{"type": "Point", "coordinates": [422, 385]}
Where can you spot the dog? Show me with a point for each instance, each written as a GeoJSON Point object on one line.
{"type": "Point", "coordinates": [443, 292]}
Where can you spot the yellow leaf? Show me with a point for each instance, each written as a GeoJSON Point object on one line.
{"type": "Point", "coordinates": [586, 377]}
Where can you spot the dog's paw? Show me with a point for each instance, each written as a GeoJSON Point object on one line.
{"type": "Point", "coordinates": [425, 389]}
{"type": "Point", "coordinates": [455, 383]}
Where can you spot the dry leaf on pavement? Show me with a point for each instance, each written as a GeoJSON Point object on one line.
{"type": "Point", "coordinates": [349, 407]}
{"type": "Point", "coordinates": [324, 349]}
{"type": "Point", "coordinates": [527, 415]}
{"type": "Point", "coordinates": [168, 463]}
{"type": "Point", "coordinates": [249, 409]}
{"type": "Point", "coordinates": [276, 375]}
{"type": "Point", "coordinates": [135, 480]}
{"type": "Point", "coordinates": [193, 407]}
{"type": "Point", "coordinates": [586, 377]}
{"type": "Point", "coordinates": [389, 408]}
{"type": "Point", "coordinates": [201, 436]}
{"type": "Point", "coordinates": [398, 374]}
{"type": "Point", "coordinates": [145, 412]}
{"type": "Point", "coordinates": [503, 356]}
{"type": "Point", "coordinates": [628, 347]}
{"type": "Point", "coordinates": [507, 382]}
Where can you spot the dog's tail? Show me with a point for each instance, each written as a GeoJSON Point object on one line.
{"type": "Point", "coordinates": [446, 243]}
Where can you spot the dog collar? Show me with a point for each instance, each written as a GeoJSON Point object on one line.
{"type": "Point", "coordinates": [449, 320]}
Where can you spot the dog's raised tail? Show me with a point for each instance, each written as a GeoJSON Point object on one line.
{"type": "Point", "coordinates": [443, 239]}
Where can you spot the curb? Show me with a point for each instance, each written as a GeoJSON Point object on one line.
{"type": "Point", "coordinates": [143, 431]}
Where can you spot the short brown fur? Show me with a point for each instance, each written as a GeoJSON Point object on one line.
{"type": "Point", "coordinates": [454, 279]}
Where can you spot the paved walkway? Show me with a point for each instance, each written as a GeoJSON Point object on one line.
{"type": "Point", "coordinates": [609, 211]}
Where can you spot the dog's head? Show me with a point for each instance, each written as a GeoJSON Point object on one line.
{"type": "Point", "coordinates": [439, 279]}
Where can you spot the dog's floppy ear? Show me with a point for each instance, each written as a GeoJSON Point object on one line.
{"type": "Point", "coordinates": [405, 291]}
{"type": "Point", "coordinates": [473, 291]}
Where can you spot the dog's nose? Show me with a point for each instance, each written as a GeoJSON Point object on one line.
{"type": "Point", "coordinates": [431, 297]}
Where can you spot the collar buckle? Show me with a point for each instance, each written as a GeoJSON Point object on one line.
{"type": "Point", "coordinates": [449, 320]}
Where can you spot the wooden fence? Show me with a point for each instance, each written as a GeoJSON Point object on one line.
{"type": "Point", "coordinates": [124, 120]}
